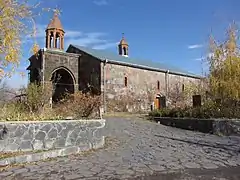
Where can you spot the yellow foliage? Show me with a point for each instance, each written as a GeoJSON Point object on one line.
{"type": "Point", "coordinates": [1, 73]}
{"type": "Point", "coordinates": [16, 22]}
{"type": "Point", "coordinates": [224, 74]}
{"type": "Point", "coordinates": [35, 48]}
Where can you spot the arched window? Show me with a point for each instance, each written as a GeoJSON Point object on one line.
{"type": "Point", "coordinates": [124, 51]}
{"type": "Point", "coordinates": [125, 81]}
{"type": "Point", "coordinates": [158, 85]}
{"type": "Point", "coordinates": [183, 87]}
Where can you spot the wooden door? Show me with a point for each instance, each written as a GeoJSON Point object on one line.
{"type": "Point", "coordinates": [157, 103]}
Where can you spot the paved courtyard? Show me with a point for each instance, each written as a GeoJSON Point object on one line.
{"type": "Point", "coordinates": [138, 148]}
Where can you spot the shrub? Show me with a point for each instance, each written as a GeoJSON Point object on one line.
{"type": "Point", "coordinates": [37, 97]}
{"type": "Point", "coordinates": [160, 113]}
{"type": "Point", "coordinates": [79, 105]}
{"type": "Point", "coordinates": [208, 110]}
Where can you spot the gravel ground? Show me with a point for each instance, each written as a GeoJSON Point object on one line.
{"type": "Point", "coordinates": [139, 149]}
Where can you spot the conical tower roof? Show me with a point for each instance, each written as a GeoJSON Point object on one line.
{"type": "Point", "coordinates": [123, 41]}
{"type": "Point", "coordinates": [55, 23]}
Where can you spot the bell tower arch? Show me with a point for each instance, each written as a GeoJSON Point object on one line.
{"type": "Point", "coordinates": [55, 34]}
{"type": "Point", "coordinates": [123, 47]}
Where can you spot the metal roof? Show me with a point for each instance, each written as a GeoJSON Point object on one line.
{"type": "Point", "coordinates": [115, 58]}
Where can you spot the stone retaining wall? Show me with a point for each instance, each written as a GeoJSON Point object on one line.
{"type": "Point", "coordinates": [48, 135]}
{"type": "Point", "coordinates": [228, 127]}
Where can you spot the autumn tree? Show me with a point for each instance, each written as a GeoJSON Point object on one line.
{"type": "Point", "coordinates": [17, 20]}
{"type": "Point", "coordinates": [224, 69]}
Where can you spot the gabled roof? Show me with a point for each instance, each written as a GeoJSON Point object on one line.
{"type": "Point", "coordinates": [145, 64]}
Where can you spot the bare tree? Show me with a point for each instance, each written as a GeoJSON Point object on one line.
{"type": "Point", "coordinates": [176, 95]}
{"type": "Point", "coordinates": [6, 93]}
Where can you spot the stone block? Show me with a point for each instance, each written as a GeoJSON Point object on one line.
{"type": "Point", "coordinates": [28, 135]}
{"type": "Point", "coordinates": [37, 144]}
{"type": "Point", "coordinates": [11, 147]}
{"type": "Point", "coordinates": [46, 128]}
{"type": "Point", "coordinates": [52, 133]}
{"type": "Point", "coordinates": [26, 145]}
{"type": "Point", "coordinates": [20, 131]}
{"type": "Point", "coordinates": [35, 157]}
{"type": "Point", "coordinates": [40, 135]}
{"type": "Point", "coordinates": [49, 144]}
{"type": "Point", "coordinates": [69, 151]}
{"type": "Point", "coordinates": [21, 159]}
{"type": "Point", "coordinates": [60, 143]}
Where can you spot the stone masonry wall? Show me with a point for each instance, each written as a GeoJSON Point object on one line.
{"type": "Point", "coordinates": [47, 135]}
{"type": "Point", "coordinates": [227, 127]}
{"type": "Point", "coordinates": [141, 86]}
{"type": "Point", "coordinates": [89, 72]}
{"type": "Point", "coordinates": [54, 60]}
{"type": "Point", "coordinates": [175, 83]}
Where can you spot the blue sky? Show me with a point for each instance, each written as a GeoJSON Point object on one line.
{"type": "Point", "coordinates": [169, 31]}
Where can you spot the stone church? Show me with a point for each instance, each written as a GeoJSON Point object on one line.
{"type": "Point", "coordinates": [120, 80]}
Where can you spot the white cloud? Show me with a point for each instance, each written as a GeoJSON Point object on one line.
{"type": "Point", "coordinates": [100, 2]}
{"type": "Point", "coordinates": [92, 39]}
{"type": "Point", "coordinates": [204, 58]}
{"type": "Point", "coordinates": [195, 46]}
{"type": "Point", "coordinates": [104, 46]}
{"type": "Point", "coordinates": [85, 41]}
{"type": "Point", "coordinates": [95, 34]}
{"type": "Point", "coordinates": [96, 40]}
{"type": "Point", "coordinates": [40, 32]}
{"type": "Point", "coordinates": [199, 59]}
{"type": "Point", "coordinates": [72, 34]}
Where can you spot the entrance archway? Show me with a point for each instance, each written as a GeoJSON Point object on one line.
{"type": "Point", "coordinates": [63, 83]}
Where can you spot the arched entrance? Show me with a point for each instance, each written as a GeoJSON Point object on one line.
{"type": "Point", "coordinates": [63, 83]}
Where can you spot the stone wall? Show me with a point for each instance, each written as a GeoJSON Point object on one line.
{"type": "Point", "coordinates": [55, 59]}
{"type": "Point", "coordinates": [142, 86]}
{"type": "Point", "coordinates": [48, 61]}
{"type": "Point", "coordinates": [176, 84]}
{"type": "Point", "coordinates": [227, 127]}
{"type": "Point", "coordinates": [89, 72]}
{"type": "Point", "coordinates": [47, 135]}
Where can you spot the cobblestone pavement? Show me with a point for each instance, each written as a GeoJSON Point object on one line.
{"type": "Point", "coordinates": [139, 148]}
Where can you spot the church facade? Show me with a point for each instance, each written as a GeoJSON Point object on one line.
{"type": "Point", "coordinates": [123, 83]}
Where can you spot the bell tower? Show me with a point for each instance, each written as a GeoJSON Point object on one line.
{"type": "Point", "coordinates": [123, 47]}
{"type": "Point", "coordinates": [55, 34]}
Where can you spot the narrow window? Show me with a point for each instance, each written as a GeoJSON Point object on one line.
{"type": "Point", "coordinates": [183, 87]}
{"type": "Point", "coordinates": [158, 85]}
{"type": "Point", "coordinates": [124, 51]}
{"type": "Point", "coordinates": [125, 81]}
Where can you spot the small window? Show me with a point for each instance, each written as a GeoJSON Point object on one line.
{"type": "Point", "coordinates": [125, 81]}
{"type": "Point", "coordinates": [124, 51]}
{"type": "Point", "coordinates": [158, 85]}
{"type": "Point", "coordinates": [183, 87]}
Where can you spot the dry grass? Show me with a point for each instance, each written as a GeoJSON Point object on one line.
{"type": "Point", "coordinates": [35, 106]}
{"type": "Point", "coordinates": [11, 114]}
